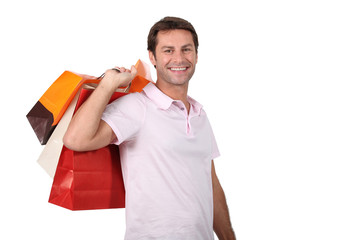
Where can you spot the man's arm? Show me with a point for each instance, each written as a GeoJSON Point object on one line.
{"type": "Point", "coordinates": [222, 223]}
{"type": "Point", "coordinates": [86, 130]}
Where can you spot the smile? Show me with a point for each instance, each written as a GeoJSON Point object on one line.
{"type": "Point", "coordinates": [178, 68]}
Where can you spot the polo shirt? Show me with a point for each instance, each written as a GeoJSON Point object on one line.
{"type": "Point", "coordinates": [166, 156]}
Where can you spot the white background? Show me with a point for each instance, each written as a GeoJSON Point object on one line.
{"type": "Point", "coordinates": [279, 80]}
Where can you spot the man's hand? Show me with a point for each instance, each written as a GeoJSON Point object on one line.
{"type": "Point", "coordinates": [118, 77]}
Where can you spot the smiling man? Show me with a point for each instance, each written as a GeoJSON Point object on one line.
{"type": "Point", "coordinates": [166, 143]}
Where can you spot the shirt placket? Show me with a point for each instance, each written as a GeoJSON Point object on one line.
{"type": "Point", "coordinates": [187, 116]}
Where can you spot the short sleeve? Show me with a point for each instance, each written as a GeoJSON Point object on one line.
{"type": "Point", "coordinates": [125, 116]}
{"type": "Point", "coordinates": [214, 147]}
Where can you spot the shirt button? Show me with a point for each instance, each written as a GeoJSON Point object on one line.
{"type": "Point", "coordinates": [182, 109]}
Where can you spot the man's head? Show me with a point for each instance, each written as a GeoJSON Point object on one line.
{"type": "Point", "coordinates": [172, 45]}
{"type": "Point", "coordinates": [167, 24]}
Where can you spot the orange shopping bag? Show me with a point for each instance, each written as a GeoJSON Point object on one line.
{"type": "Point", "coordinates": [47, 112]}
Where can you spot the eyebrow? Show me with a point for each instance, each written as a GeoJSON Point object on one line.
{"type": "Point", "coordinates": [184, 46]}
{"type": "Point", "coordinates": [188, 45]}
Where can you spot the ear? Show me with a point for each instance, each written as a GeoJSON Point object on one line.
{"type": "Point", "coordinates": [152, 58]}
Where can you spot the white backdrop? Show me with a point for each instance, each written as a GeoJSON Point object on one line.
{"type": "Point", "coordinates": [279, 80]}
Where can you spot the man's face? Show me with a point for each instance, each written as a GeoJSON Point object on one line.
{"type": "Point", "coordinates": [175, 56]}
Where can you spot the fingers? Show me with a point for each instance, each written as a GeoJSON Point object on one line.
{"type": "Point", "coordinates": [121, 75]}
{"type": "Point", "coordinates": [119, 69]}
{"type": "Point", "coordinates": [132, 71]}
{"type": "Point", "coordinates": [122, 69]}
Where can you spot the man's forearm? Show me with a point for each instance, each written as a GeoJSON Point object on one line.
{"type": "Point", "coordinates": [86, 131]}
{"type": "Point", "coordinates": [222, 224]}
{"type": "Point", "coordinates": [86, 120]}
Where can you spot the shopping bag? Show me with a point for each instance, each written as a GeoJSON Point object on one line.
{"type": "Point", "coordinates": [47, 112]}
{"type": "Point", "coordinates": [89, 180]}
{"type": "Point", "coordinates": [49, 157]}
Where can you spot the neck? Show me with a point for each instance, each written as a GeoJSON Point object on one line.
{"type": "Point", "coordinates": [176, 92]}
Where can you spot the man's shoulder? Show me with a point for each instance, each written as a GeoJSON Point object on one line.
{"type": "Point", "coordinates": [132, 98]}
{"type": "Point", "coordinates": [128, 103]}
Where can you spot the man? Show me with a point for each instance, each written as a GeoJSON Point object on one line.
{"type": "Point", "coordinates": [166, 143]}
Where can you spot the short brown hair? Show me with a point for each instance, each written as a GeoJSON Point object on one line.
{"type": "Point", "coordinates": [170, 23]}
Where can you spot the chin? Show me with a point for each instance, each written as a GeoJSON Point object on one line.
{"type": "Point", "coordinates": [179, 82]}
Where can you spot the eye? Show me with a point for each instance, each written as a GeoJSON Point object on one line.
{"type": "Point", "coordinates": [168, 51]}
{"type": "Point", "coordinates": [187, 50]}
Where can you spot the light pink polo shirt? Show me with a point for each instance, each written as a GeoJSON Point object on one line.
{"type": "Point", "coordinates": [166, 161]}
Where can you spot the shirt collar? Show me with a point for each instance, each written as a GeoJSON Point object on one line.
{"type": "Point", "coordinates": [158, 97]}
{"type": "Point", "coordinates": [195, 105]}
{"type": "Point", "coordinates": [163, 101]}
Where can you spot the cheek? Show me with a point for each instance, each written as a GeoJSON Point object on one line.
{"type": "Point", "coordinates": [164, 61]}
{"type": "Point", "coordinates": [192, 58]}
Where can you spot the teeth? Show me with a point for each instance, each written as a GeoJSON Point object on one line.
{"type": "Point", "coordinates": [178, 69]}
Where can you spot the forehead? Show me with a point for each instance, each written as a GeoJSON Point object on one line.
{"type": "Point", "coordinates": [174, 38]}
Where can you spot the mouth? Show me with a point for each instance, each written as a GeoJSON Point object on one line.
{"type": "Point", "coordinates": [178, 69]}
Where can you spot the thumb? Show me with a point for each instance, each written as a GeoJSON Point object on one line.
{"type": "Point", "coordinates": [133, 71]}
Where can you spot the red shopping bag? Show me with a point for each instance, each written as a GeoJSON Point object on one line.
{"type": "Point", "coordinates": [89, 180]}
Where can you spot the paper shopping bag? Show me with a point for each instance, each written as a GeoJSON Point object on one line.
{"type": "Point", "coordinates": [89, 180]}
{"type": "Point", "coordinates": [50, 155]}
{"type": "Point", "coordinates": [47, 112]}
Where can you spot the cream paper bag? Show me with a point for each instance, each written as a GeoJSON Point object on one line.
{"type": "Point", "coordinates": [49, 157]}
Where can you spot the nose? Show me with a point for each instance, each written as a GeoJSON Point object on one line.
{"type": "Point", "coordinates": [178, 57]}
